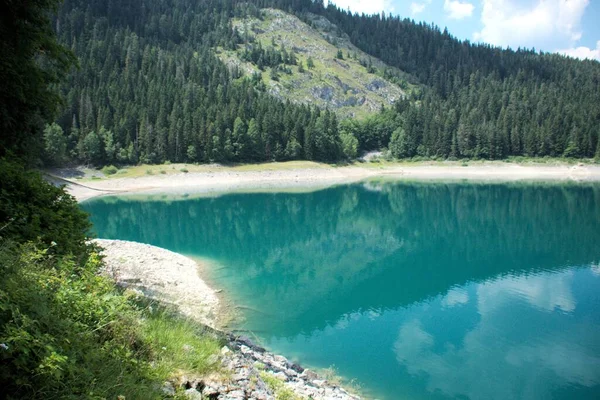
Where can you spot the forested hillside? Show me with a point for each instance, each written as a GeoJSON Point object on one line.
{"type": "Point", "coordinates": [482, 101]}
{"type": "Point", "coordinates": [151, 89]}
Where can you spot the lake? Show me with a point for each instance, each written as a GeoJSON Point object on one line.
{"type": "Point", "coordinates": [416, 290]}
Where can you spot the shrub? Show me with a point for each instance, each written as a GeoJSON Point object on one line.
{"type": "Point", "coordinates": [69, 333]}
{"type": "Point", "coordinates": [149, 172]}
{"type": "Point", "coordinates": [109, 170]}
{"type": "Point", "coordinates": [184, 170]}
{"type": "Point", "coordinates": [67, 330]}
{"type": "Point", "coordinates": [32, 209]}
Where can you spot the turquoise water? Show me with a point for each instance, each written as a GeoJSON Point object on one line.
{"type": "Point", "coordinates": [418, 291]}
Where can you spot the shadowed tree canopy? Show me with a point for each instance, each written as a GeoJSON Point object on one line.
{"type": "Point", "coordinates": [31, 65]}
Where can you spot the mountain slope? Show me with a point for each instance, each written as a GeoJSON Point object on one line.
{"type": "Point", "coordinates": [480, 101]}
{"type": "Point", "coordinates": [341, 76]}
{"type": "Point", "coordinates": [209, 81]}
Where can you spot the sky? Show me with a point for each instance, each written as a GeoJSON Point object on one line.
{"type": "Point", "coordinates": [570, 27]}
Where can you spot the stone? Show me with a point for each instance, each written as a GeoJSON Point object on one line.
{"type": "Point", "coordinates": [309, 375]}
{"type": "Point", "coordinates": [281, 376]}
{"type": "Point", "coordinates": [236, 394]}
{"type": "Point", "coordinates": [242, 374]}
{"type": "Point", "coordinates": [296, 367]}
{"type": "Point", "coordinates": [209, 392]}
{"type": "Point", "coordinates": [245, 349]}
{"type": "Point", "coordinates": [245, 340]}
{"type": "Point", "coordinates": [168, 389]}
{"type": "Point", "coordinates": [281, 359]}
{"type": "Point", "coordinates": [260, 395]}
{"type": "Point", "coordinates": [193, 394]}
{"type": "Point", "coordinates": [225, 350]}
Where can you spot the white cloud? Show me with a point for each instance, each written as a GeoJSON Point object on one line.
{"type": "Point", "coordinates": [539, 23]}
{"type": "Point", "coordinates": [510, 369]}
{"type": "Point", "coordinates": [367, 7]}
{"type": "Point", "coordinates": [583, 53]}
{"type": "Point", "coordinates": [455, 297]}
{"type": "Point", "coordinates": [491, 361]}
{"type": "Point", "coordinates": [417, 8]}
{"type": "Point", "coordinates": [543, 292]}
{"type": "Point", "coordinates": [457, 9]}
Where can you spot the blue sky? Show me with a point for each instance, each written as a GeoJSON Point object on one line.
{"type": "Point", "coordinates": [570, 27]}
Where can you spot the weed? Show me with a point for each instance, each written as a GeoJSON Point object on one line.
{"type": "Point", "coordinates": [109, 170]}
{"type": "Point", "coordinates": [278, 387]}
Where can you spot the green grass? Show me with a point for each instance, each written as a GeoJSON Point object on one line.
{"type": "Point", "coordinates": [379, 163]}
{"type": "Point", "coordinates": [70, 333]}
{"type": "Point", "coordinates": [279, 389]}
{"type": "Point", "coordinates": [332, 376]}
{"type": "Point", "coordinates": [137, 171]}
{"type": "Point", "coordinates": [179, 345]}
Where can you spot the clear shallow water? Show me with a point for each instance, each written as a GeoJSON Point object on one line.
{"type": "Point", "coordinates": [419, 291]}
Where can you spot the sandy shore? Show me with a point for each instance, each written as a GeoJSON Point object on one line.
{"type": "Point", "coordinates": [225, 179]}
{"type": "Point", "coordinates": [161, 275]}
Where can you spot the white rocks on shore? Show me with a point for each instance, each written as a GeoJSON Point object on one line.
{"type": "Point", "coordinates": [249, 365]}
{"type": "Point", "coordinates": [161, 275]}
{"type": "Point", "coordinates": [172, 278]}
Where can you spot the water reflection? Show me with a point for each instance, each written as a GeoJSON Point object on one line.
{"type": "Point", "coordinates": [428, 290]}
{"type": "Point", "coordinates": [529, 340]}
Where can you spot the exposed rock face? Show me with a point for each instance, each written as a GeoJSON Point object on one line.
{"type": "Point", "coordinates": [352, 85]}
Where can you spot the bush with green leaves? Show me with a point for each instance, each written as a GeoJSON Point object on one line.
{"type": "Point", "coordinates": [110, 170]}
{"type": "Point", "coordinates": [64, 329]}
{"type": "Point", "coordinates": [66, 332]}
{"type": "Point", "coordinates": [32, 209]}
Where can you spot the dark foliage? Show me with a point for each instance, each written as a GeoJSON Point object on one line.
{"type": "Point", "coordinates": [31, 64]}
{"type": "Point", "coordinates": [32, 209]}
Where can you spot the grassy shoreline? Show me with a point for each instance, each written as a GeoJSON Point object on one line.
{"type": "Point", "coordinates": [88, 174]}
